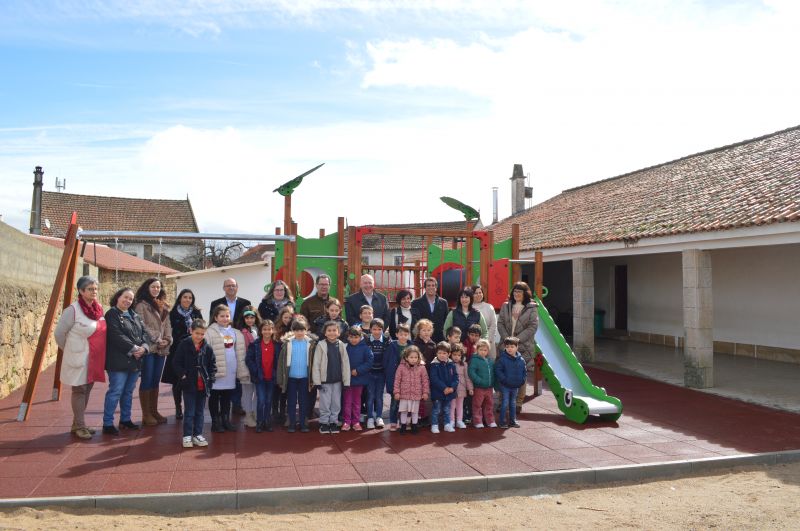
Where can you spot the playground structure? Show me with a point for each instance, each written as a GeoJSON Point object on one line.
{"type": "Point", "coordinates": [298, 261]}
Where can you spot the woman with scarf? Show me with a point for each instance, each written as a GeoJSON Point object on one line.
{"type": "Point", "coordinates": [151, 304]}
{"type": "Point", "coordinates": [81, 334]}
{"type": "Point", "coordinates": [180, 319]}
{"type": "Point", "coordinates": [277, 298]}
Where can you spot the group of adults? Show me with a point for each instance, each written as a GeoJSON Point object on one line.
{"type": "Point", "coordinates": [138, 332]}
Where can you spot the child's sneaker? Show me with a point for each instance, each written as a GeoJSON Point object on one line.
{"type": "Point", "coordinates": [199, 440]}
{"type": "Point", "coordinates": [392, 427]}
{"type": "Point", "coordinates": [345, 427]}
{"type": "Point", "coordinates": [461, 425]}
{"type": "Point", "coordinates": [187, 442]}
{"type": "Point", "coordinates": [357, 427]}
{"type": "Point", "coordinates": [492, 425]}
{"type": "Point", "coordinates": [449, 428]}
{"type": "Point", "coordinates": [324, 428]}
{"type": "Point", "coordinates": [414, 429]}
{"type": "Point", "coordinates": [434, 428]}
{"type": "Point", "coordinates": [478, 426]}
{"type": "Point", "coordinates": [503, 426]}
{"type": "Point", "coordinates": [371, 424]}
{"type": "Point", "coordinates": [515, 424]}
{"type": "Point", "coordinates": [402, 430]}
{"type": "Point", "coordinates": [334, 428]}
{"type": "Point", "coordinates": [379, 423]}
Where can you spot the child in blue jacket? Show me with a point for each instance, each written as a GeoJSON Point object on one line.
{"type": "Point", "coordinates": [262, 362]}
{"type": "Point", "coordinates": [360, 356]}
{"type": "Point", "coordinates": [444, 382]}
{"type": "Point", "coordinates": [510, 372]}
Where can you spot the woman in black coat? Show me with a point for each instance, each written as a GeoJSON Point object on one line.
{"type": "Point", "coordinates": [126, 343]}
{"type": "Point", "coordinates": [181, 315]}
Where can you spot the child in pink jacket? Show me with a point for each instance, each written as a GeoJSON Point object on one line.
{"type": "Point", "coordinates": [465, 386]}
{"type": "Point", "coordinates": [410, 387]}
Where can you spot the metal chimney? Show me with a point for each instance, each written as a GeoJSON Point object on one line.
{"type": "Point", "coordinates": [517, 190]}
{"type": "Point", "coordinates": [494, 205]}
{"type": "Point", "coordinates": [36, 203]}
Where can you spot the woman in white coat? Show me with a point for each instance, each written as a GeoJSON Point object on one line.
{"type": "Point", "coordinates": [81, 334]}
{"type": "Point", "coordinates": [489, 315]}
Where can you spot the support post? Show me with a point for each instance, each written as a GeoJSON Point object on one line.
{"type": "Point", "coordinates": [468, 243]}
{"type": "Point", "coordinates": [353, 259]}
{"type": "Point", "coordinates": [291, 272]}
{"type": "Point", "coordinates": [516, 269]}
{"type": "Point", "coordinates": [69, 285]}
{"type": "Point", "coordinates": [340, 280]}
{"type": "Point", "coordinates": [583, 308]}
{"type": "Point", "coordinates": [698, 319]}
{"type": "Point", "coordinates": [70, 244]}
{"type": "Point", "coordinates": [538, 273]}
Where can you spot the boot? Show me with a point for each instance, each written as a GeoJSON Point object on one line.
{"type": "Point", "coordinates": [176, 395]}
{"type": "Point", "coordinates": [216, 425]}
{"type": "Point", "coordinates": [161, 419]}
{"type": "Point", "coordinates": [226, 422]}
{"type": "Point", "coordinates": [147, 415]}
{"type": "Point", "coordinates": [250, 419]}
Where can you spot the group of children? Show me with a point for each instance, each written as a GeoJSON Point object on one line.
{"type": "Point", "coordinates": [350, 368]}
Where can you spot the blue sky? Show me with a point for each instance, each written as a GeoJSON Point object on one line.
{"type": "Point", "coordinates": [404, 101]}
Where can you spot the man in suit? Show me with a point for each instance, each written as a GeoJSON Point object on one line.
{"type": "Point", "coordinates": [236, 304]}
{"type": "Point", "coordinates": [367, 295]}
{"type": "Point", "coordinates": [431, 306]}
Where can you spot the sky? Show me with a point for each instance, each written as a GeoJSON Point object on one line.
{"type": "Point", "coordinates": [404, 101]}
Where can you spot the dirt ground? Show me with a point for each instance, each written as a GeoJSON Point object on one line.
{"type": "Point", "coordinates": [753, 498]}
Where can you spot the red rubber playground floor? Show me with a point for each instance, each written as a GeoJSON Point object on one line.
{"type": "Point", "coordinates": [39, 458]}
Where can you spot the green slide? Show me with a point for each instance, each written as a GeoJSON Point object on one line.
{"type": "Point", "coordinates": [576, 395]}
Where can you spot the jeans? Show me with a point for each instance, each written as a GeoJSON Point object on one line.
{"type": "Point", "coordinates": [278, 404]}
{"type": "Point", "coordinates": [120, 391]}
{"type": "Point", "coordinates": [264, 391]}
{"type": "Point", "coordinates": [375, 387]}
{"type": "Point", "coordinates": [443, 407]}
{"type": "Point", "coordinates": [152, 367]}
{"type": "Point", "coordinates": [394, 407]}
{"type": "Point", "coordinates": [298, 395]}
{"type": "Point", "coordinates": [508, 404]}
{"type": "Point", "coordinates": [193, 415]}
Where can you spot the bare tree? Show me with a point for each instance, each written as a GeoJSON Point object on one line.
{"type": "Point", "coordinates": [216, 254]}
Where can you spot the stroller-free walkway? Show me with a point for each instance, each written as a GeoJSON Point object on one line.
{"type": "Point", "coordinates": [660, 423]}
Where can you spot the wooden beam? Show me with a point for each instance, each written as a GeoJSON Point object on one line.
{"type": "Point", "coordinates": [389, 231]}
{"type": "Point", "coordinates": [468, 243]}
{"type": "Point", "coordinates": [340, 280]}
{"type": "Point", "coordinates": [70, 244]}
{"type": "Point", "coordinates": [69, 285]}
{"type": "Point", "coordinates": [516, 269]}
{"type": "Point", "coordinates": [538, 273]}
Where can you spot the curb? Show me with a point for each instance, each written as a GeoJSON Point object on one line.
{"type": "Point", "coordinates": [248, 499]}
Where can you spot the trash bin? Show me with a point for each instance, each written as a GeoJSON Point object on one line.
{"type": "Point", "coordinates": [599, 317]}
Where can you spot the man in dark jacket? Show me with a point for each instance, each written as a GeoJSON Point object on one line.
{"type": "Point", "coordinates": [314, 307]}
{"type": "Point", "coordinates": [368, 296]}
{"type": "Point", "coordinates": [431, 306]}
{"type": "Point", "coordinates": [236, 304]}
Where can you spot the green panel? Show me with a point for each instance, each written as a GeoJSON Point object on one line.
{"type": "Point", "coordinates": [578, 411]}
{"type": "Point", "coordinates": [502, 249]}
{"type": "Point", "coordinates": [326, 246]}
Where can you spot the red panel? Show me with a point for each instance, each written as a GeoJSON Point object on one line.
{"type": "Point", "coordinates": [499, 271]}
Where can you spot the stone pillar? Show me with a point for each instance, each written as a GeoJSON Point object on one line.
{"type": "Point", "coordinates": [698, 323]}
{"type": "Point", "coordinates": [583, 308]}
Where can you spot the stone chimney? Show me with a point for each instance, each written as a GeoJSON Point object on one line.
{"type": "Point", "coordinates": [36, 203]}
{"type": "Point", "coordinates": [517, 190]}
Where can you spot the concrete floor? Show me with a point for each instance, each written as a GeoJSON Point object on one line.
{"type": "Point", "coordinates": [768, 383]}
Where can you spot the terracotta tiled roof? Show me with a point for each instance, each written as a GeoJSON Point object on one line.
{"type": "Point", "coordinates": [106, 258]}
{"type": "Point", "coordinates": [116, 213]}
{"type": "Point", "coordinates": [755, 182]}
{"type": "Point", "coordinates": [253, 254]}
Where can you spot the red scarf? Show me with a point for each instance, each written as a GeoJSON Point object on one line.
{"type": "Point", "coordinates": [93, 312]}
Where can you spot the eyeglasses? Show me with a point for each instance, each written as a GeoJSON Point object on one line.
{"type": "Point", "coordinates": [229, 286]}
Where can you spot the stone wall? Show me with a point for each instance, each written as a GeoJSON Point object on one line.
{"type": "Point", "coordinates": [27, 271]}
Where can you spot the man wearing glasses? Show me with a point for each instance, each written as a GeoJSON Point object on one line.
{"type": "Point", "coordinates": [314, 306]}
{"type": "Point", "coordinates": [235, 304]}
